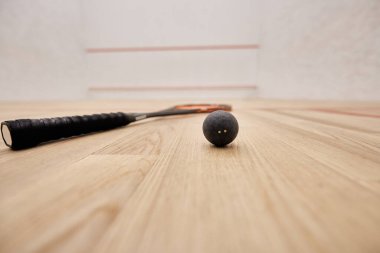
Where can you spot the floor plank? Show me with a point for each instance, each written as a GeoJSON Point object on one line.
{"type": "Point", "coordinates": [302, 176]}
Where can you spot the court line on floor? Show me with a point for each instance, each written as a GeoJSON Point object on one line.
{"type": "Point", "coordinates": [326, 110]}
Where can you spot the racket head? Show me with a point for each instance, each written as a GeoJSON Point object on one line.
{"type": "Point", "coordinates": [184, 109]}
{"type": "Point", "coordinates": [203, 108]}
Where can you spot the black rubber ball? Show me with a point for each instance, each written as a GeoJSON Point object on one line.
{"type": "Point", "coordinates": [220, 128]}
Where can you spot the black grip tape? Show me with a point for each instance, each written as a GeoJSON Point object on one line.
{"type": "Point", "coordinates": [26, 133]}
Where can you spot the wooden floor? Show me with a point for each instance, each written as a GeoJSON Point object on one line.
{"type": "Point", "coordinates": [300, 177]}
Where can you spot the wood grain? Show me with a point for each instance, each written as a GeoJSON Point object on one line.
{"type": "Point", "coordinates": [296, 179]}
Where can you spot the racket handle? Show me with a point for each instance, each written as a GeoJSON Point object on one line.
{"type": "Point", "coordinates": [26, 133]}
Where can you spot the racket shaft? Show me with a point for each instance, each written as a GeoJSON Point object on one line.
{"type": "Point", "coordinates": [25, 133]}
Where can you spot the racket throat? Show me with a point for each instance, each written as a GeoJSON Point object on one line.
{"type": "Point", "coordinates": [140, 117]}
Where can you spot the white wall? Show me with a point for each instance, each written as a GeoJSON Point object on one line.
{"type": "Point", "coordinates": [308, 49]}
{"type": "Point", "coordinates": [320, 49]}
{"type": "Point", "coordinates": [41, 50]}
